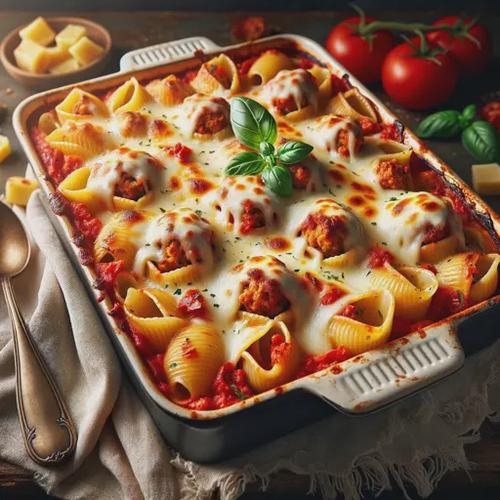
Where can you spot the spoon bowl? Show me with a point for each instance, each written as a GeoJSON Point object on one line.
{"type": "Point", "coordinates": [14, 243]}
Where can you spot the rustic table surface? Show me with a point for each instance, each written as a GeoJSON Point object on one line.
{"type": "Point", "coordinates": [131, 30]}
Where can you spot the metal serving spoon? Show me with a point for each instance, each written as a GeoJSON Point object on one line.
{"type": "Point", "coordinates": [49, 432]}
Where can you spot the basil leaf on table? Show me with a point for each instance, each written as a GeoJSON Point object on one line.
{"type": "Point", "coordinates": [293, 152]}
{"type": "Point", "coordinates": [480, 140]}
{"type": "Point", "coordinates": [246, 163]}
{"type": "Point", "coordinates": [252, 123]}
{"type": "Point", "coordinates": [279, 180]}
{"type": "Point", "coordinates": [440, 125]}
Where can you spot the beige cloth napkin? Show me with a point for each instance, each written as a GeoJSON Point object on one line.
{"type": "Point", "coordinates": [120, 453]}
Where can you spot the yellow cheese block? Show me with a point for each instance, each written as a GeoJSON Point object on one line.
{"type": "Point", "coordinates": [56, 56]}
{"type": "Point", "coordinates": [85, 51]}
{"type": "Point", "coordinates": [69, 35]}
{"type": "Point", "coordinates": [31, 57]}
{"type": "Point", "coordinates": [18, 190]}
{"type": "Point", "coordinates": [4, 148]}
{"type": "Point", "coordinates": [70, 64]}
{"type": "Point", "coordinates": [39, 32]}
{"type": "Point", "coordinates": [486, 178]}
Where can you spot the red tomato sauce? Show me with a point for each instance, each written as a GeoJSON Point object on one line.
{"type": "Point", "coordinates": [192, 305]}
{"type": "Point", "coordinates": [378, 256]}
{"type": "Point", "coordinates": [313, 364]}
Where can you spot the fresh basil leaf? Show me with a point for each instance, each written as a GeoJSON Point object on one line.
{"type": "Point", "coordinates": [440, 125]}
{"type": "Point", "coordinates": [293, 152]}
{"type": "Point", "coordinates": [279, 180]}
{"type": "Point", "coordinates": [266, 148]}
{"type": "Point", "coordinates": [468, 114]}
{"type": "Point", "coordinates": [480, 140]}
{"type": "Point", "coordinates": [246, 163]}
{"type": "Point", "coordinates": [252, 123]}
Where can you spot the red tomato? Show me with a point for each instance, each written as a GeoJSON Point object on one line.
{"type": "Point", "coordinates": [361, 55]}
{"type": "Point", "coordinates": [418, 79]}
{"type": "Point", "coordinates": [470, 46]}
{"type": "Point", "coordinates": [491, 113]}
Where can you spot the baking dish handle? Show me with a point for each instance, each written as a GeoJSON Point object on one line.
{"type": "Point", "coordinates": [370, 381]}
{"type": "Point", "coordinates": [165, 52]}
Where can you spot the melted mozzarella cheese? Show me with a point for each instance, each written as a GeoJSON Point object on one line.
{"type": "Point", "coordinates": [333, 176]}
{"type": "Point", "coordinates": [108, 170]}
{"type": "Point", "coordinates": [324, 133]}
{"type": "Point", "coordinates": [193, 109]}
{"type": "Point", "coordinates": [296, 84]}
{"type": "Point", "coordinates": [183, 225]}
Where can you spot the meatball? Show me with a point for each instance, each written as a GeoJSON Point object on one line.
{"type": "Point", "coordinates": [393, 174]}
{"type": "Point", "coordinates": [252, 217]}
{"type": "Point", "coordinates": [325, 233]}
{"type": "Point", "coordinates": [132, 124]}
{"type": "Point", "coordinates": [435, 233]}
{"type": "Point", "coordinates": [174, 257]}
{"type": "Point", "coordinates": [262, 295]}
{"type": "Point", "coordinates": [212, 121]}
{"type": "Point", "coordinates": [131, 188]}
{"type": "Point", "coordinates": [300, 176]}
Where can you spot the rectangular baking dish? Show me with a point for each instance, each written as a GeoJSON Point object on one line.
{"type": "Point", "coordinates": [360, 385]}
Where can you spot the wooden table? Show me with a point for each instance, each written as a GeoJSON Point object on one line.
{"type": "Point", "coordinates": [137, 29]}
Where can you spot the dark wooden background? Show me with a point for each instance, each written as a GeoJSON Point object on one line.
{"type": "Point", "coordinates": [131, 30]}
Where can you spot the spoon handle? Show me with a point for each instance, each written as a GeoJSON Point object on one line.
{"type": "Point", "coordinates": [48, 430]}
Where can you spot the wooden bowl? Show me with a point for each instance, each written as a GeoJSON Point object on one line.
{"type": "Point", "coordinates": [95, 32]}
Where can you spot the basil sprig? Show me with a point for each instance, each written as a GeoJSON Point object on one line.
{"type": "Point", "coordinates": [480, 140]}
{"type": "Point", "coordinates": [446, 124]}
{"type": "Point", "coordinates": [479, 137]}
{"type": "Point", "coordinates": [256, 128]}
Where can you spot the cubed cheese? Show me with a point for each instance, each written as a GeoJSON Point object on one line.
{"type": "Point", "coordinates": [85, 51]}
{"type": "Point", "coordinates": [486, 178]}
{"type": "Point", "coordinates": [4, 147]}
{"type": "Point", "coordinates": [70, 64]}
{"type": "Point", "coordinates": [39, 32]}
{"type": "Point", "coordinates": [69, 35]}
{"type": "Point", "coordinates": [18, 190]}
{"type": "Point", "coordinates": [56, 56]}
{"type": "Point", "coordinates": [31, 57]}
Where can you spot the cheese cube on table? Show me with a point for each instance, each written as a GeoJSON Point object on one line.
{"type": "Point", "coordinates": [4, 148]}
{"type": "Point", "coordinates": [65, 67]}
{"type": "Point", "coordinates": [85, 51]}
{"type": "Point", "coordinates": [38, 31]}
{"type": "Point", "coordinates": [18, 190]}
{"type": "Point", "coordinates": [486, 178]}
{"type": "Point", "coordinates": [31, 57]}
{"type": "Point", "coordinates": [69, 35]}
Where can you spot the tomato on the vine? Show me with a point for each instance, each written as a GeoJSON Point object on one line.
{"type": "Point", "coordinates": [361, 54]}
{"type": "Point", "coordinates": [418, 76]}
{"type": "Point", "coordinates": [469, 43]}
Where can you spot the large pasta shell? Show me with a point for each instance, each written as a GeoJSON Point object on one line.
{"type": "Point", "coordinates": [371, 329]}
{"type": "Point", "coordinates": [82, 140]}
{"type": "Point", "coordinates": [352, 104]}
{"type": "Point", "coordinates": [120, 203]}
{"type": "Point", "coordinates": [261, 374]}
{"type": "Point", "coordinates": [152, 311]}
{"type": "Point", "coordinates": [345, 259]}
{"type": "Point", "coordinates": [73, 187]}
{"type": "Point", "coordinates": [205, 83]}
{"type": "Point", "coordinates": [192, 360]}
{"type": "Point", "coordinates": [437, 251]}
{"type": "Point", "coordinates": [457, 271]}
{"type": "Point", "coordinates": [412, 288]}
{"type": "Point", "coordinates": [487, 278]}
{"type": "Point", "coordinates": [131, 96]}
{"type": "Point", "coordinates": [115, 242]}
{"type": "Point", "coordinates": [323, 81]}
{"type": "Point", "coordinates": [267, 66]}
{"type": "Point", "coordinates": [123, 282]}
{"type": "Point", "coordinates": [175, 277]}
{"type": "Point", "coordinates": [66, 109]}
